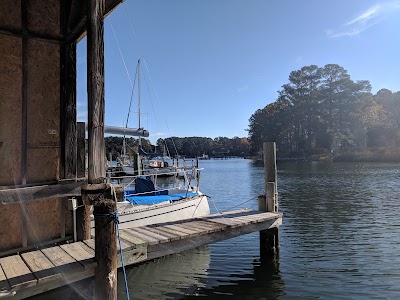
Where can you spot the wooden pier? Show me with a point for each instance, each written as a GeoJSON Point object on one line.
{"type": "Point", "coordinates": [34, 272]}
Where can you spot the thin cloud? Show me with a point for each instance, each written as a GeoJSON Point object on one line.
{"type": "Point", "coordinates": [243, 88]}
{"type": "Point", "coordinates": [368, 18]}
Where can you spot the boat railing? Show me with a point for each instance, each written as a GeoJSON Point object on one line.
{"type": "Point", "coordinates": [190, 177]}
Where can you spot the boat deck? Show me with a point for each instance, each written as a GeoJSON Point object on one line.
{"type": "Point", "coordinates": [34, 272]}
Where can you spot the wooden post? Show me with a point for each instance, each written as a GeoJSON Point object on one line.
{"type": "Point", "coordinates": [104, 208]}
{"type": "Point", "coordinates": [270, 174]}
{"type": "Point", "coordinates": [269, 239]}
{"type": "Point", "coordinates": [68, 153]}
{"type": "Point", "coordinates": [105, 233]}
{"type": "Point", "coordinates": [82, 221]}
{"type": "Point", "coordinates": [95, 89]}
{"type": "Point", "coordinates": [83, 211]}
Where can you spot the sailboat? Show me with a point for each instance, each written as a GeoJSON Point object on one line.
{"type": "Point", "coordinates": [149, 200]}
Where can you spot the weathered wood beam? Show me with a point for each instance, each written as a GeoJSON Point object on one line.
{"type": "Point", "coordinates": [24, 88]}
{"type": "Point", "coordinates": [28, 35]}
{"type": "Point", "coordinates": [95, 89]}
{"type": "Point", "coordinates": [78, 31]}
{"type": "Point", "coordinates": [27, 194]}
{"type": "Point", "coordinates": [68, 165]}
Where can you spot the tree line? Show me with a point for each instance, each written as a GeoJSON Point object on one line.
{"type": "Point", "coordinates": [322, 110]}
{"type": "Point", "coordinates": [178, 146]}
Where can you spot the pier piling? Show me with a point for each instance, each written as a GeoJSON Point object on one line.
{"type": "Point", "coordinates": [269, 239]}
{"type": "Point", "coordinates": [104, 212]}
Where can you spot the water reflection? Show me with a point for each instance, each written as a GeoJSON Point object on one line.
{"type": "Point", "coordinates": [168, 277]}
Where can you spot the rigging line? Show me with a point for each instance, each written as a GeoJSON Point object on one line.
{"type": "Point", "coordinates": [159, 103]}
{"type": "Point", "coordinates": [131, 25]}
{"type": "Point", "coordinates": [130, 103]}
{"type": "Point", "coordinates": [127, 72]}
{"type": "Point", "coordinates": [120, 52]}
{"type": "Point", "coordinates": [155, 115]}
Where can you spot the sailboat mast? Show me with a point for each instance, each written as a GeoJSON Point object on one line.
{"type": "Point", "coordinates": [140, 141]}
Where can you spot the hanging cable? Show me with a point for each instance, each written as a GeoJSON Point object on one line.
{"type": "Point", "coordinates": [120, 52]}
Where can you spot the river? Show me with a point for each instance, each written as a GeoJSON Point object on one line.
{"type": "Point", "coordinates": [340, 238]}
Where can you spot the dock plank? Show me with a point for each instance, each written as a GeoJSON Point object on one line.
{"type": "Point", "coordinates": [256, 218]}
{"type": "Point", "coordinates": [42, 268]}
{"type": "Point", "coordinates": [231, 222]}
{"type": "Point", "coordinates": [126, 235]}
{"type": "Point", "coordinates": [4, 285]}
{"type": "Point", "coordinates": [147, 232]}
{"type": "Point", "coordinates": [125, 245]}
{"type": "Point", "coordinates": [148, 239]}
{"type": "Point", "coordinates": [205, 227]}
{"type": "Point", "coordinates": [90, 243]}
{"type": "Point", "coordinates": [61, 259]}
{"type": "Point", "coordinates": [169, 235]}
{"type": "Point", "coordinates": [81, 253]}
{"type": "Point", "coordinates": [171, 231]}
{"type": "Point", "coordinates": [17, 272]}
{"type": "Point", "coordinates": [211, 225]}
{"type": "Point", "coordinates": [182, 228]}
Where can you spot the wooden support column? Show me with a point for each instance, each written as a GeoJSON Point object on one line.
{"type": "Point", "coordinates": [24, 117]}
{"type": "Point", "coordinates": [82, 221]}
{"type": "Point", "coordinates": [95, 89]}
{"type": "Point", "coordinates": [269, 239]}
{"type": "Point", "coordinates": [68, 111]}
{"type": "Point", "coordinates": [103, 202]}
{"type": "Point", "coordinates": [104, 208]}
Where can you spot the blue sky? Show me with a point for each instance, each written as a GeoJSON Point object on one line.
{"type": "Point", "coordinates": [208, 65]}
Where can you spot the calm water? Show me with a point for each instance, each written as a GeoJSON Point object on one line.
{"type": "Point", "coordinates": [340, 238]}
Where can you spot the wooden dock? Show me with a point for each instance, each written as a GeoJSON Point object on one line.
{"type": "Point", "coordinates": [34, 272]}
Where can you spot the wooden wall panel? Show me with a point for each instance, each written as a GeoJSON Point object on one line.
{"type": "Point", "coordinates": [10, 229]}
{"type": "Point", "coordinates": [43, 220]}
{"type": "Point", "coordinates": [44, 17]}
{"type": "Point", "coordinates": [10, 109]}
{"type": "Point", "coordinates": [43, 111]}
{"type": "Point", "coordinates": [10, 14]}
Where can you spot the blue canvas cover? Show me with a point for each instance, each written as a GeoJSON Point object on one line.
{"type": "Point", "coordinates": [156, 198]}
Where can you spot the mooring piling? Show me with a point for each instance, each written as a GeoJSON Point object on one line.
{"type": "Point", "coordinates": [269, 238]}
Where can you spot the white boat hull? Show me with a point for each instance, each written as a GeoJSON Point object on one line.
{"type": "Point", "coordinates": [142, 215]}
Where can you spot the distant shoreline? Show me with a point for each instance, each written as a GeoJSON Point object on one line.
{"type": "Point", "coordinates": [365, 155]}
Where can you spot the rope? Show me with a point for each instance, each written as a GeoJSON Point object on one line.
{"type": "Point", "coordinates": [213, 203]}
{"type": "Point", "coordinates": [238, 205]}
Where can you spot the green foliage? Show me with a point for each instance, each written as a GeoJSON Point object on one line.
{"type": "Point", "coordinates": [187, 146]}
{"type": "Point", "coordinates": [323, 108]}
